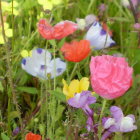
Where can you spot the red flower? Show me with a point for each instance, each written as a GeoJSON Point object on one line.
{"type": "Point", "coordinates": [76, 51]}
{"type": "Point", "coordinates": [59, 31]}
{"type": "Point", "coordinates": [31, 136]}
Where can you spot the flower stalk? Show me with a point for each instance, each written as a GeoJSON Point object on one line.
{"type": "Point", "coordinates": [100, 119]}
{"type": "Point", "coordinates": [9, 76]}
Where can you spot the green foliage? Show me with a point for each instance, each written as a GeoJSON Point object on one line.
{"type": "Point", "coordinates": [4, 137]}
{"type": "Point", "coordinates": [30, 90]}
{"type": "Point", "coordinates": [43, 107]}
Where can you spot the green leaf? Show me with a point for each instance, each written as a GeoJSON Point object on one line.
{"type": "Point", "coordinates": [59, 95]}
{"type": "Point", "coordinates": [52, 42]}
{"type": "Point", "coordinates": [4, 137]}
{"type": "Point", "coordinates": [30, 90]}
{"type": "Point", "coordinates": [13, 115]}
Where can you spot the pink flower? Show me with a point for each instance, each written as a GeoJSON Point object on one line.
{"type": "Point", "coordinates": [137, 26]}
{"type": "Point", "coordinates": [111, 76]}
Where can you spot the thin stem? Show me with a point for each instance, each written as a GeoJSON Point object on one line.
{"type": "Point", "coordinates": [100, 119]}
{"type": "Point", "coordinates": [135, 17]}
{"type": "Point", "coordinates": [73, 71]}
{"type": "Point", "coordinates": [54, 68]}
{"type": "Point", "coordinates": [9, 76]}
{"type": "Point", "coordinates": [133, 11]}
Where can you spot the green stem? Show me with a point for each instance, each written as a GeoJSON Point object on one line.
{"type": "Point", "coordinates": [54, 68]}
{"type": "Point", "coordinates": [42, 105]}
{"type": "Point", "coordinates": [42, 115]}
{"type": "Point", "coordinates": [73, 71]}
{"type": "Point", "coordinates": [100, 119]}
{"type": "Point", "coordinates": [10, 80]}
{"type": "Point", "coordinates": [118, 136]}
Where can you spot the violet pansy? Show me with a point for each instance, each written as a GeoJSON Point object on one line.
{"type": "Point", "coordinates": [40, 64]}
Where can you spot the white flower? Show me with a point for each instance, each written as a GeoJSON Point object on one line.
{"type": "Point", "coordinates": [41, 64]}
{"type": "Point", "coordinates": [125, 3]}
{"type": "Point", "coordinates": [127, 125]}
{"type": "Point", "coordinates": [98, 37]}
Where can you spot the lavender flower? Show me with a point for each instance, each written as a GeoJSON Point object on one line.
{"type": "Point", "coordinates": [118, 122]}
{"type": "Point", "coordinates": [83, 100]}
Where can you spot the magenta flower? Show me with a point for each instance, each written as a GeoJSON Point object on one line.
{"type": "Point", "coordinates": [118, 122]}
{"type": "Point", "coordinates": [83, 101]}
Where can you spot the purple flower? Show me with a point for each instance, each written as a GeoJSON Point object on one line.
{"type": "Point", "coordinates": [102, 7]}
{"type": "Point", "coordinates": [83, 100]}
{"type": "Point", "coordinates": [118, 122]}
{"type": "Point", "coordinates": [16, 131]}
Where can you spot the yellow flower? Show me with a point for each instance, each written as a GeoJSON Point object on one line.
{"type": "Point", "coordinates": [7, 7]}
{"type": "Point", "coordinates": [8, 32]}
{"type": "Point", "coordinates": [75, 86]}
{"type": "Point", "coordinates": [49, 4]}
{"type": "Point", "coordinates": [25, 53]}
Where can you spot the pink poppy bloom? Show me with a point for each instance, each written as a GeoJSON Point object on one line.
{"type": "Point", "coordinates": [59, 31]}
{"type": "Point", "coordinates": [111, 76]}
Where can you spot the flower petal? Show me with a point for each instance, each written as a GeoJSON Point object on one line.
{"type": "Point", "coordinates": [84, 84]}
{"type": "Point", "coordinates": [45, 29]}
{"type": "Point", "coordinates": [81, 100]}
{"type": "Point", "coordinates": [127, 125]}
{"type": "Point", "coordinates": [56, 67]}
{"type": "Point", "coordinates": [117, 113]}
{"type": "Point", "coordinates": [59, 31]}
{"type": "Point", "coordinates": [97, 39]}
{"type": "Point", "coordinates": [65, 88]}
{"type": "Point", "coordinates": [31, 136]}
{"type": "Point", "coordinates": [76, 51]}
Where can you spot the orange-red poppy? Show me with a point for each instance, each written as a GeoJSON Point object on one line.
{"type": "Point", "coordinates": [32, 136]}
{"type": "Point", "coordinates": [76, 51]}
{"type": "Point", "coordinates": [59, 31]}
